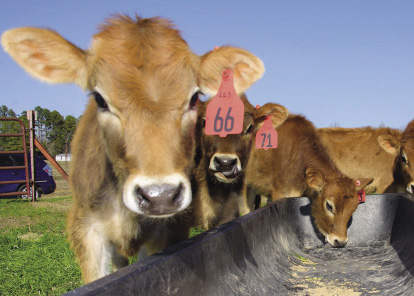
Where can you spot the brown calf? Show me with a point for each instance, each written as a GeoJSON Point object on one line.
{"type": "Point", "coordinates": [133, 149]}
{"type": "Point", "coordinates": [221, 161]}
{"type": "Point", "coordinates": [301, 167]}
{"type": "Point", "coordinates": [380, 153]}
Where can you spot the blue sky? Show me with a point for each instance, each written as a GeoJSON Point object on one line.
{"type": "Point", "coordinates": [347, 63]}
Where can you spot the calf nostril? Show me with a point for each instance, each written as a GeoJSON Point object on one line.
{"type": "Point", "coordinates": [142, 196]}
{"type": "Point", "coordinates": [164, 193]}
{"type": "Point", "coordinates": [224, 164]}
{"type": "Point", "coordinates": [177, 193]}
{"type": "Point", "coordinates": [339, 243]}
{"type": "Point", "coordinates": [217, 161]}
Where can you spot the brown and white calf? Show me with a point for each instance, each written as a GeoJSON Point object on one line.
{"type": "Point", "coordinates": [134, 146]}
{"type": "Point", "coordinates": [301, 167]}
{"type": "Point", "coordinates": [383, 154]}
{"type": "Point", "coordinates": [220, 165]}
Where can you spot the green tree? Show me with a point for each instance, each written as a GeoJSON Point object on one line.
{"type": "Point", "coordinates": [9, 127]}
{"type": "Point", "coordinates": [42, 124]}
{"type": "Point", "coordinates": [69, 128]}
{"type": "Point", "coordinates": [53, 130]}
{"type": "Point", "coordinates": [56, 140]}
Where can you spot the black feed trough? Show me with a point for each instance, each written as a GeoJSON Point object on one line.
{"type": "Point", "coordinates": [276, 251]}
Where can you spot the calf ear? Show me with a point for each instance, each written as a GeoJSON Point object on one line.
{"type": "Point", "coordinates": [363, 182]}
{"type": "Point", "coordinates": [46, 55]}
{"type": "Point", "coordinates": [278, 112]}
{"type": "Point", "coordinates": [315, 179]}
{"type": "Point", "coordinates": [246, 67]}
{"type": "Point", "coordinates": [389, 143]}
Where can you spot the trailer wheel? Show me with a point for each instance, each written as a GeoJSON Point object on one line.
{"type": "Point", "coordinates": [23, 188]}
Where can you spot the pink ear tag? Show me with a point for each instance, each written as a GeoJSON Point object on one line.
{"type": "Point", "coordinates": [225, 112]}
{"type": "Point", "coordinates": [361, 193]}
{"type": "Point", "coordinates": [266, 137]}
{"type": "Point", "coordinates": [361, 196]}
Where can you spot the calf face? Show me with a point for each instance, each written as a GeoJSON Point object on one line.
{"type": "Point", "coordinates": [403, 150]}
{"type": "Point", "coordinates": [145, 80]}
{"type": "Point", "coordinates": [335, 202]}
{"type": "Point", "coordinates": [407, 157]}
{"type": "Point", "coordinates": [226, 157]}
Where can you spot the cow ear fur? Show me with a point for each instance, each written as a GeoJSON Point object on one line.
{"type": "Point", "coordinates": [247, 69]}
{"type": "Point", "coordinates": [363, 182]}
{"type": "Point", "coordinates": [278, 113]}
{"type": "Point", "coordinates": [315, 179]}
{"type": "Point", "coordinates": [46, 55]}
{"type": "Point", "coordinates": [389, 143]}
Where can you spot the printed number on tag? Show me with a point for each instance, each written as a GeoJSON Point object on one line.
{"type": "Point", "coordinates": [266, 137]}
{"type": "Point", "coordinates": [225, 111]}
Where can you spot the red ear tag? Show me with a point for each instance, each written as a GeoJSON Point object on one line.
{"type": "Point", "coordinates": [266, 137]}
{"type": "Point", "coordinates": [361, 196]}
{"type": "Point", "coordinates": [225, 112]}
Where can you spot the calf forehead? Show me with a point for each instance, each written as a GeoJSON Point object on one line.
{"type": "Point", "coordinates": [339, 189]}
{"type": "Point", "coordinates": [407, 139]}
{"type": "Point", "coordinates": [146, 57]}
{"type": "Point", "coordinates": [233, 143]}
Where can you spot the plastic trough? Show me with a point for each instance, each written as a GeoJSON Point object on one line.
{"type": "Point", "coordinates": [276, 251]}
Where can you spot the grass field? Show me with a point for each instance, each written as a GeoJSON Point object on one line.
{"type": "Point", "coordinates": [35, 258]}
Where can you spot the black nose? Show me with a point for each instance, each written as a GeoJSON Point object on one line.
{"type": "Point", "coordinates": [225, 164]}
{"type": "Point", "coordinates": [161, 199]}
{"type": "Point", "coordinates": [412, 189]}
{"type": "Point", "coordinates": [339, 243]}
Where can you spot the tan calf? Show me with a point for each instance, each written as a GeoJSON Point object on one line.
{"type": "Point", "coordinates": [404, 178]}
{"type": "Point", "coordinates": [383, 154]}
{"type": "Point", "coordinates": [301, 167]}
{"type": "Point", "coordinates": [221, 161]}
{"type": "Point", "coordinates": [133, 149]}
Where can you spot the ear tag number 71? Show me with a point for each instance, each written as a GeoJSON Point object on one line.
{"type": "Point", "coordinates": [266, 137]}
{"type": "Point", "coordinates": [225, 112]}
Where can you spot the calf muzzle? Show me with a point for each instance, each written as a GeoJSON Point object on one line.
{"type": "Point", "coordinates": [161, 199]}
{"type": "Point", "coordinates": [336, 241]}
{"type": "Point", "coordinates": [157, 197]}
{"type": "Point", "coordinates": [226, 167]}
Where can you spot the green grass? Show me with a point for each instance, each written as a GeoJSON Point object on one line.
{"type": "Point", "coordinates": [35, 258]}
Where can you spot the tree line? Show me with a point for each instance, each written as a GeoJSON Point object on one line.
{"type": "Point", "coordinates": [53, 130]}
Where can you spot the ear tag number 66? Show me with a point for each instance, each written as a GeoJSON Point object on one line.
{"type": "Point", "coordinates": [266, 137]}
{"type": "Point", "coordinates": [225, 112]}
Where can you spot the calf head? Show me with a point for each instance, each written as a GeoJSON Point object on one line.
{"type": "Point", "coordinates": [225, 157]}
{"type": "Point", "coordinates": [335, 201]}
{"type": "Point", "coordinates": [403, 149]}
{"type": "Point", "coordinates": [145, 82]}
{"type": "Point", "coordinates": [407, 157]}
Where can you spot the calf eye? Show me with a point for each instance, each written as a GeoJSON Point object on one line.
{"type": "Point", "coordinates": [100, 101]}
{"type": "Point", "coordinates": [249, 130]}
{"type": "Point", "coordinates": [404, 159]}
{"type": "Point", "coordinates": [194, 100]}
{"type": "Point", "coordinates": [329, 206]}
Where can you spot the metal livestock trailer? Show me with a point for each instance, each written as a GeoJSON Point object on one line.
{"type": "Point", "coordinates": [276, 250]}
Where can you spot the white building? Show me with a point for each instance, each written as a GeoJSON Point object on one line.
{"type": "Point", "coordinates": [63, 157]}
